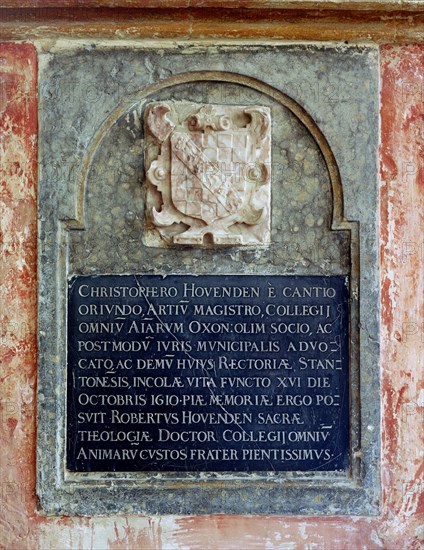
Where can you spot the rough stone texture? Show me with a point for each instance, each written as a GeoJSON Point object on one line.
{"type": "Point", "coordinates": [400, 524]}
{"type": "Point", "coordinates": [93, 208]}
{"type": "Point", "coordinates": [333, 100]}
{"type": "Point", "coordinates": [297, 166]}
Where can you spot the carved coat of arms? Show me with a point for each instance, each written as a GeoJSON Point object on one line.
{"type": "Point", "coordinates": [208, 173]}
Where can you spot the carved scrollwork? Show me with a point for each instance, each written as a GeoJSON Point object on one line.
{"type": "Point", "coordinates": [212, 172]}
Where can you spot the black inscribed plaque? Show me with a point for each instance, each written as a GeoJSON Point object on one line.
{"type": "Point", "coordinates": [208, 373]}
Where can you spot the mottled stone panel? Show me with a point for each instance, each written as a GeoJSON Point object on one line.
{"type": "Point", "coordinates": [323, 184]}
{"type": "Point", "coordinates": [301, 212]}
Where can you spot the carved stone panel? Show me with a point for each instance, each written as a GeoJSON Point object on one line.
{"type": "Point", "coordinates": [209, 173]}
{"type": "Point", "coordinates": [163, 202]}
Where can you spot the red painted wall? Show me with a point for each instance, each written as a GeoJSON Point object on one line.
{"type": "Point", "coordinates": [401, 525]}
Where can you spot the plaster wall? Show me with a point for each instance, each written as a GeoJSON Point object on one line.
{"type": "Point", "coordinates": [401, 524]}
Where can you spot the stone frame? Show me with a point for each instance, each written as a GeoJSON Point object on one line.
{"type": "Point", "coordinates": [88, 494]}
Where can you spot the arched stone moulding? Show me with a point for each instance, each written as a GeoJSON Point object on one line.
{"type": "Point", "coordinates": [338, 222]}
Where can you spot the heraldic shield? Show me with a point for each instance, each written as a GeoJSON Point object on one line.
{"type": "Point", "coordinates": [208, 173]}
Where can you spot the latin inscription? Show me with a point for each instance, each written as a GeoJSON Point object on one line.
{"type": "Point", "coordinates": [208, 373]}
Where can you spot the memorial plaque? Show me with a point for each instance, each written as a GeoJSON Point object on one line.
{"type": "Point", "coordinates": [208, 280]}
{"type": "Point", "coordinates": [211, 373]}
